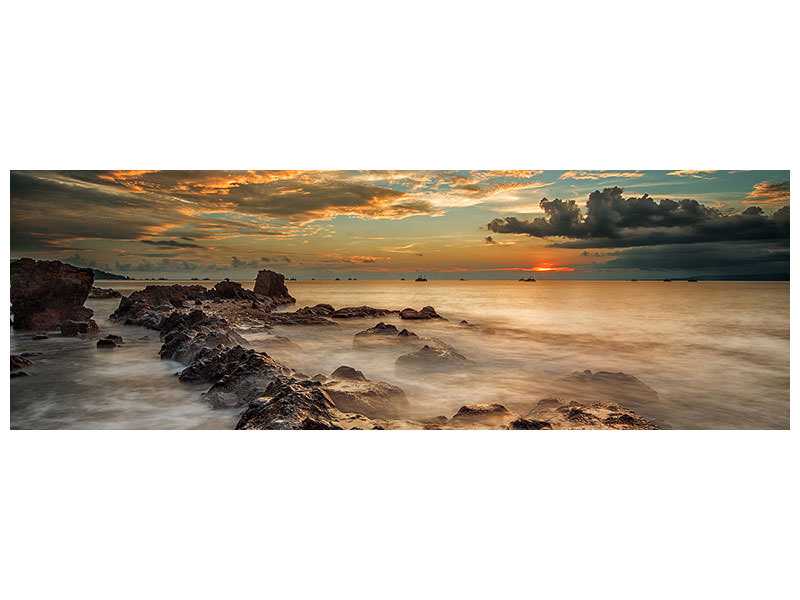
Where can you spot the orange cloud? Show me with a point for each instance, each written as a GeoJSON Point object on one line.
{"type": "Point", "coordinates": [769, 193]}
{"type": "Point", "coordinates": [688, 173]}
{"type": "Point", "coordinates": [599, 174]}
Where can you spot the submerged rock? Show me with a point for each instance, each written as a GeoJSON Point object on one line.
{"type": "Point", "coordinates": [381, 335]}
{"type": "Point", "coordinates": [43, 293]}
{"type": "Point", "coordinates": [482, 414]}
{"type": "Point", "coordinates": [571, 414]}
{"type": "Point", "coordinates": [610, 386]}
{"type": "Point", "coordinates": [433, 358]}
{"type": "Point", "coordinates": [106, 343]}
{"type": "Point", "coordinates": [73, 328]}
{"type": "Point", "coordinates": [19, 362]}
{"type": "Point", "coordinates": [359, 312]}
{"type": "Point", "coordinates": [246, 376]}
{"type": "Point", "coordinates": [427, 312]}
{"type": "Point", "coordinates": [103, 293]}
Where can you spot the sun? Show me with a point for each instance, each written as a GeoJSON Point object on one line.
{"type": "Point", "coordinates": [548, 266]}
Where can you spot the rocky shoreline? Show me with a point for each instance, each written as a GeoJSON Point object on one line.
{"type": "Point", "coordinates": [202, 329]}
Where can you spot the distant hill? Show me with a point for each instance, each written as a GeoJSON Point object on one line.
{"type": "Point", "coordinates": [98, 274]}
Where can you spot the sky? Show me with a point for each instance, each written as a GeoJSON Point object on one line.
{"type": "Point", "coordinates": [616, 224]}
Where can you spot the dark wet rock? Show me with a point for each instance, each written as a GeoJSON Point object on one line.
{"type": "Point", "coordinates": [20, 374]}
{"type": "Point", "coordinates": [44, 292]}
{"type": "Point", "coordinates": [232, 290]}
{"type": "Point", "coordinates": [318, 377]}
{"type": "Point", "coordinates": [103, 293]}
{"type": "Point", "coordinates": [186, 344]}
{"type": "Point", "coordinates": [117, 339]}
{"type": "Point", "coordinates": [79, 313]}
{"type": "Point", "coordinates": [353, 393]}
{"type": "Point", "coordinates": [482, 414]}
{"type": "Point", "coordinates": [320, 310]}
{"type": "Point", "coordinates": [19, 362]}
{"type": "Point", "coordinates": [345, 372]}
{"type": "Point", "coordinates": [304, 316]}
{"type": "Point", "coordinates": [245, 378]}
{"type": "Point", "coordinates": [105, 343]}
{"type": "Point", "coordinates": [433, 358]}
{"type": "Point", "coordinates": [195, 319]}
{"type": "Point", "coordinates": [272, 285]}
{"type": "Point", "coordinates": [359, 312]}
{"type": "Point", "coordinates": [146, 307]}
{"type": "Point", "coordinates": [619, 387]}
{"type": "Point", "coordinates": [382, 334]}
{"type": "Point", "coordinates": [522, 423]}
{"type": "Point", "coordinates": [427, 312]}
{"type": "Point", "coordinates": [40, 336]}
{"type": "Point", "coordinates": [291, 404]}
{"type": "Point", "coordinates": [73, 328]}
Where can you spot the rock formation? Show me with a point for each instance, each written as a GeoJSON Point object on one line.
{"type": "Point", "coordinates": [44, 293]}
{"type": "Point", "coordinates": [431, 359]}
{"type": "Point", "coordinates": [427, 312]}
{"type": "Point", "coordinates": [271, 284]}
{"type": "Point", "coordinates": [352, 392]}
{"type": "Point", "coordinates": [103, 293]}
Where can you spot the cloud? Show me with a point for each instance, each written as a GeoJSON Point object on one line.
{"type": "Point", "coordinates": [170, 243]}
{"type": "Point", "coordinates": [613, 221]}
{"type": "Point", "coordinates": [695, 174]}
{"type": "Point", "coordinates": [769, 193]}
{"type": "Point", "coordinates": [599, 174]}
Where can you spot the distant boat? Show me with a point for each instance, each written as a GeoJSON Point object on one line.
{"type": "Point", "coordinates": [402, 279]}
{"type": "Point", "coordinates": [292, 279]}
{"type": "Point", "coordinates": [692, 280]}
{"type": "Point", "coordinates": [668, 280]}
{"type": "Point", "coordinates": [420, 279]}
{"type": "Point", "coordinates": [528, 279]}
{"type": "Point", "coordinates": [462, 279]}
{"type": "Point", "coordinates": [337, 279]}
{"type": "Point", "coordinates": [634, 280]}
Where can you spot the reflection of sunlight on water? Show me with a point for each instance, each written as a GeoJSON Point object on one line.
{"type": "Point", "coordinates": [717, 353]}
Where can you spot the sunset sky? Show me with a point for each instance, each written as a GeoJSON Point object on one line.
{"type": "Point", "coordinates": [388, 224]}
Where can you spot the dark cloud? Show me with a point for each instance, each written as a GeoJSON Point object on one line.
{"type": "Point", "coordinates": [171, 243]}
{"type": "Point", "coordinates": [613, 221]}
{"type": "Point", "coordinates": [276, 260]}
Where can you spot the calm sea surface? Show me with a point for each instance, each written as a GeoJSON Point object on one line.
{"type": "Point", "coordinates": [717, 353]}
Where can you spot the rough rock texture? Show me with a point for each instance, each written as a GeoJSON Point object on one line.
{"type": "Point", "coordinates": [433, 359]}
{"type": "Point", "coordinates": [231, 290]}
{"type": "Point", "coordinates": [44, 292]}
{"type": "Point", "coordinates": [245, 379]}
{"type": "Point", "coordinates": [147, 307]}
{"type": "Point", "coordinates": [271, 284]}
{"type": "Point", "coordinates": [563, 414]}
{"type": "Point", "coordinates": [102, 293]}
{"type": "Point", "coordinates": [185, 345]}
{"type": "Point", "coordinates": [383, 334]}
{"type": "Point", "coordinates": [73, 328]}
{"type": "Point", "coordinates": [427, 312]}
{"type": "Point", "coordinates": [493, 415]}
{"type": "Point", "coordinates": [352, 392]}
{"type": "Point", "coordinates": [358, 312]}
{"type": "Point", "coordinates": [528, 424]}
{"type": "Point", "coordinates": [106, 343]}
{"type": "Point", "coordinates": [19, 362]}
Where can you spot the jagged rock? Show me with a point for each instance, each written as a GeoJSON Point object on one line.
{"type": "Point", "coordinates": [522, 423]}
{"type": "Point", "coordinates": [571, 414]}
{"type": "Point", "coordinates": [20, 374]}
{"type": "Point", "coordinates": [40, 336]}
{"type": "Point", "coordinates": [246, 380]}
{"type": "Point", "coordinates": [232, 290]}
{"type": "Point", "coordinates": [304, 316]}
{"type": "Point", "coordinates": [353, 393]}
{"type": "Point", "coordinates": [427, 312]}
{"type": "Point", "coordinates": [106, 343]}
{"type": "Point", "coordinates": [358, 312]}
{"type": "Point", "coordinates": [79, 313]}
{"type": "Point", "coordinates": [382, 334]}
{"type": "Point", "coordinates": [44, 292]}
{"type": "Point", "coordinates": [482, 414]}
{"type": "Point", "coordinates": [73, 328]}
{"type": "Point", "coordinates": [432, 358]}
{"type": "Point", "coordinates": [186, 344]}
{"type": "Point", "coordinates": [320, 310]}
{"type": "Point", "coordinates": [19, 362]}
{"type": "Point", "coordinates": [103, 293]}
{"type": "Point", "coordinates": [142, 307]}
{"type": "Point", "coordinates": [291, 404]}
{"type": "Point", "coordinates": [271, 284]}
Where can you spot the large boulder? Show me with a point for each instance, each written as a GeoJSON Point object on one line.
{"type": "Point", "coordinates": [352, 392]}
{"type": "Point", "coordinates": [147, 307]}
{"type": "Point", "coordinates": [231, 290]}
{"type": "Point", "coordinates": [44, 292]}
{"type": "Point", "coordinates": [558, 413]}
{"type": "Point", "coordinates": [271, 284]}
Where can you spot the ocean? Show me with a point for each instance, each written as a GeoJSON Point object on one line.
{"type": "Point", "coordinates": [716, 353]}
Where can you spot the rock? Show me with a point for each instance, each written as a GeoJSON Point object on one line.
{"type": "Point", "coordinates": [142, 307]}
{"type": "Point", "coordinates": [19, 362]}
{"type": "Point", "coordinates": [185, 345]}
{"type": "Point", "coordinates": [101, 293]}
{"type": "Point", "coordinates": [73, 328]}
{"type": "Point", "coordinates": [382, 334]}
{"type": "Point", "coordinates": [79, 313]}
{"type": "Point", "coordinates": [345, 372]}
{"type": "Point", "coordinates": [433, 359]}
{"type": "Point", "coordinates": [245, 378]}
{"type": "Point", "coordinates": [359, 312]}
{"type": "Point", "coordinates": [353, 393]}
{"type": "Point", "coordinates": [20, 374]}
{"type": "Point", "coordinates": [232, 290]}
{"type": "Point", "coordinates": [271, 284]}
{"type": "Point", "coordinates": [40, 336]}
{"type": "Point", "coordinates": [44, 292]}
{"type": "Point", "coordinates": [427, 312]}
{"type": "Point", "coordinates": [604, 385]}
{"type": "Point", "coordinates": [572, 414]}
{"type": "Point", "coordinates": [117, 339]}
{"type": "Point", "coordinates": [105, 343]}
{"type": "Point", "coordinates": [291, 404]}
{"type": "Point", "coordinates": [529, 424]}
{"type": "Point", "coordinates": [483, 414]}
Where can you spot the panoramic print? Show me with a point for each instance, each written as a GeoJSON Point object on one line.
{"type": "Point", "coordinates": [376, 300]}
